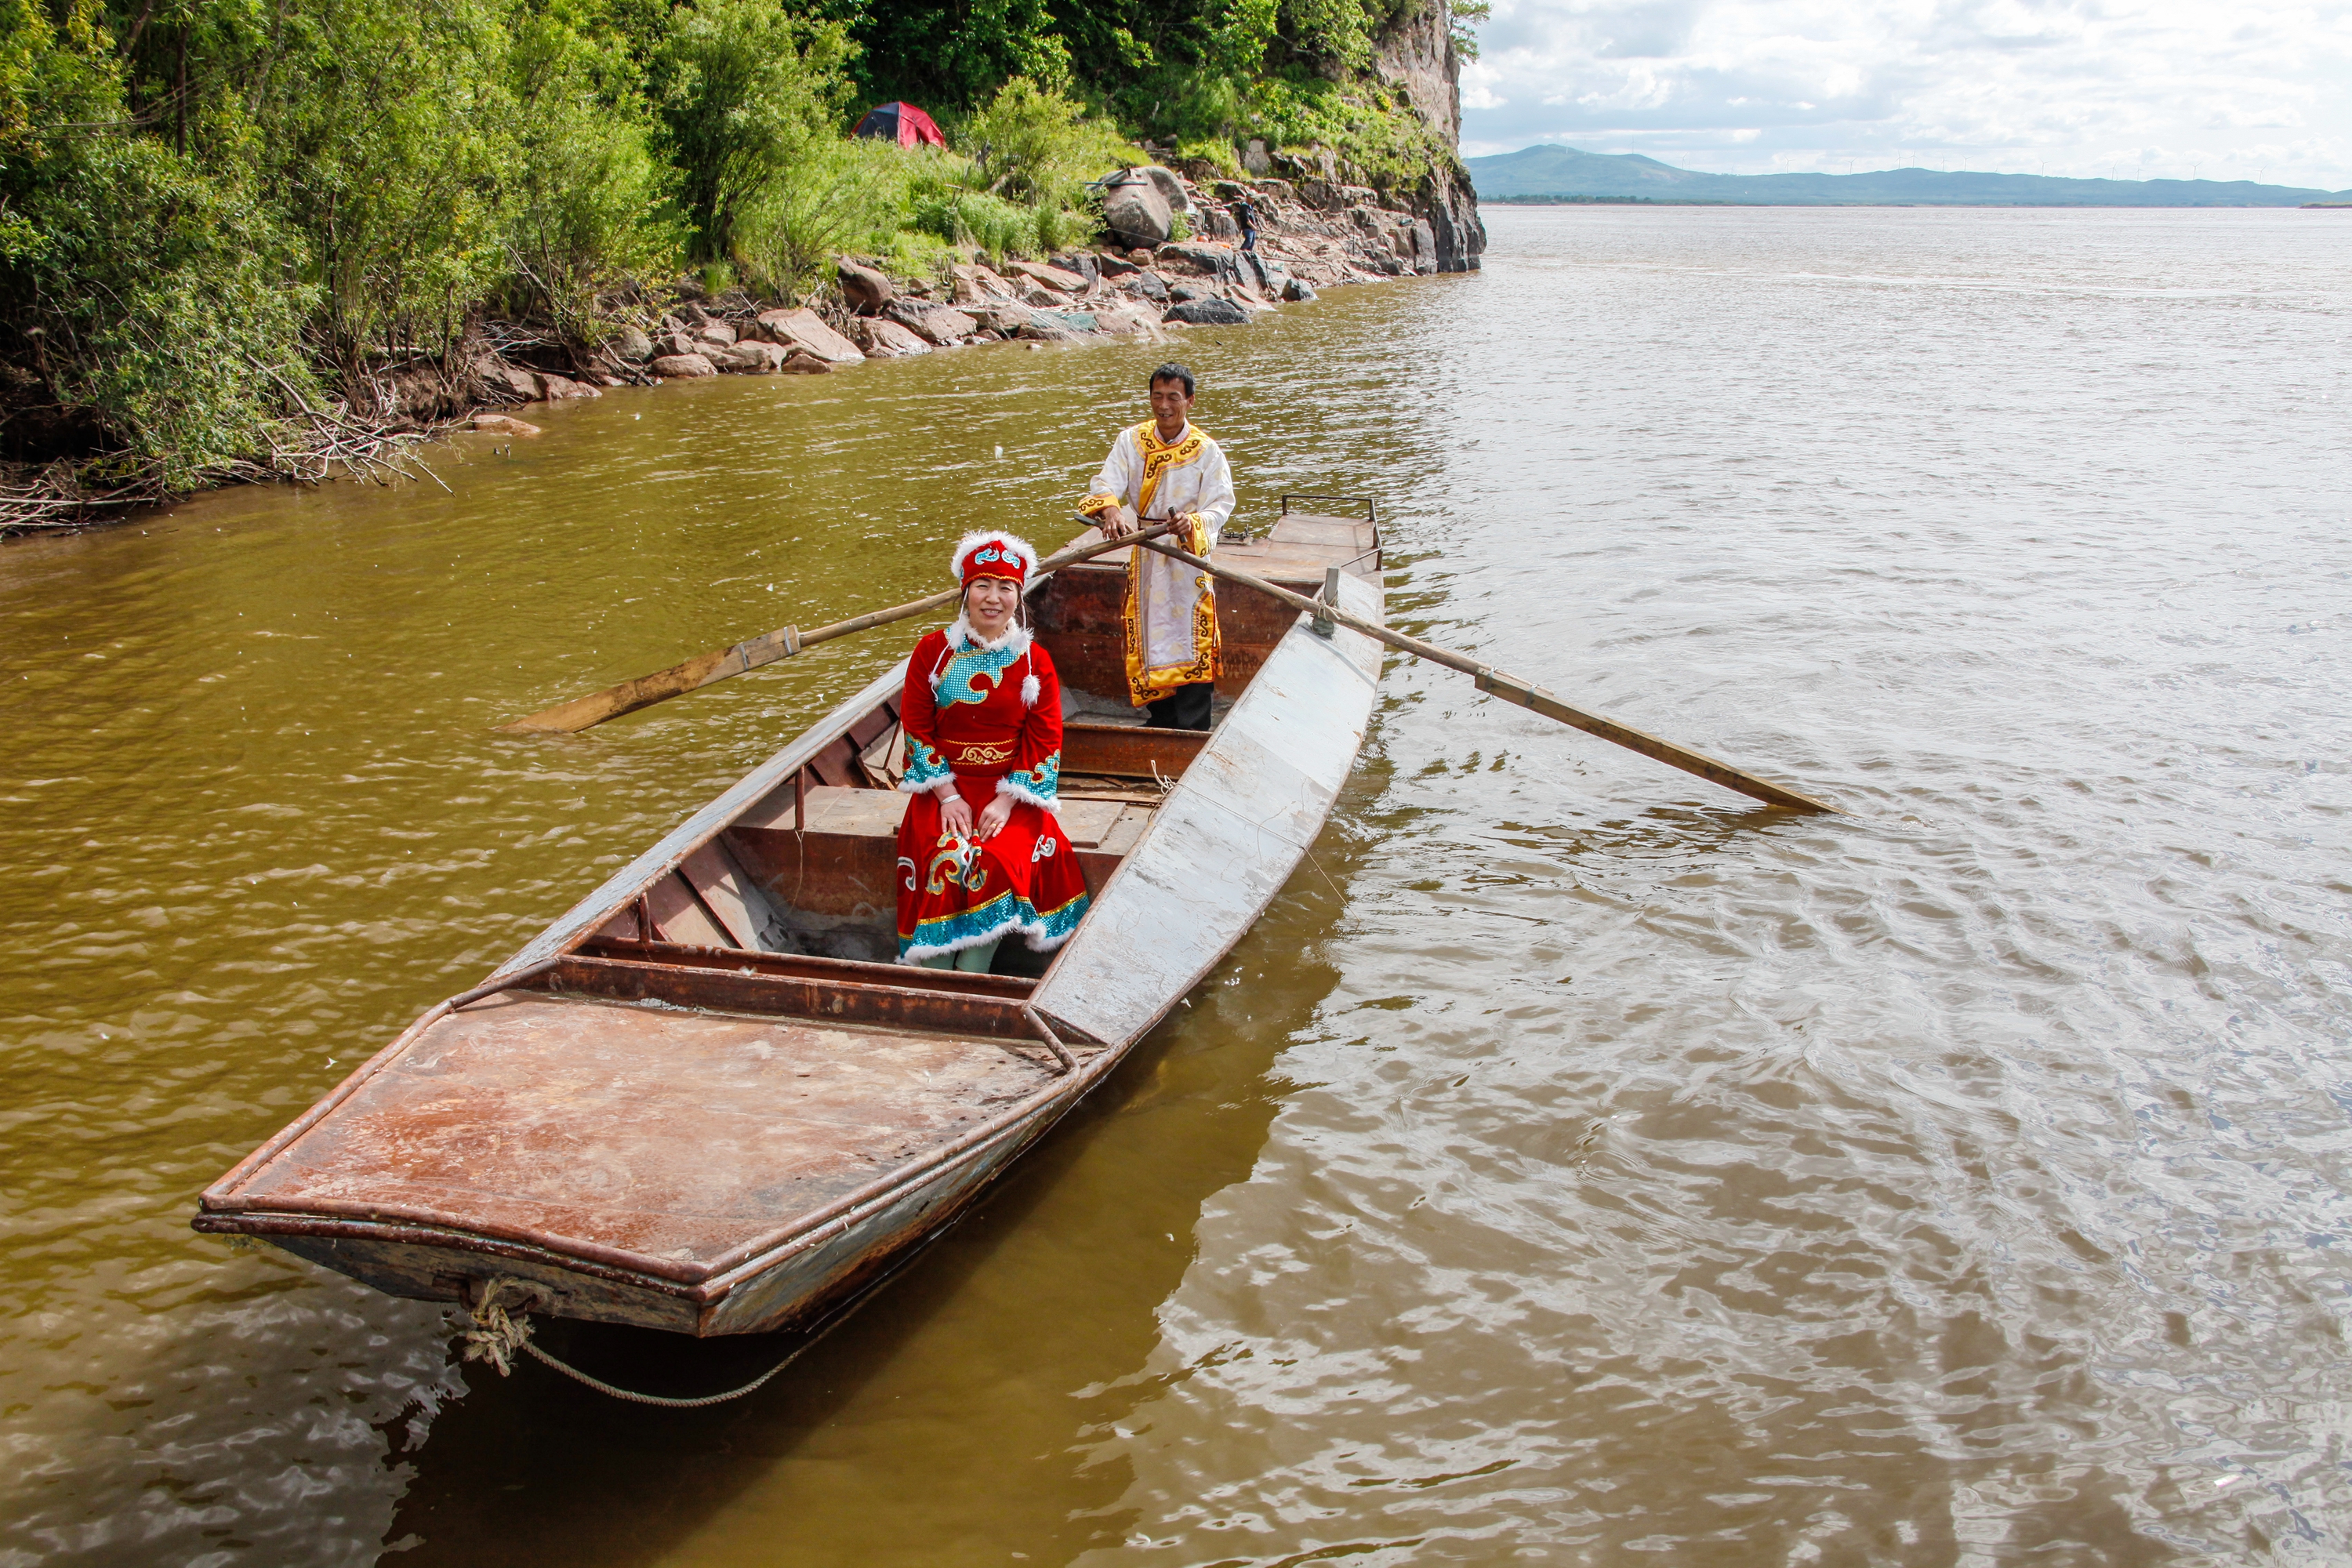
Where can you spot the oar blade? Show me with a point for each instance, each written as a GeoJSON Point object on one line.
{"type": "Point", "coordinates": [1536, 699]}
{"type": "Point", "coordinates": [643, 691]}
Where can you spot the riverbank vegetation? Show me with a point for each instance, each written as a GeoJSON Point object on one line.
{"type": "Point", "coordinates": [231, 230]}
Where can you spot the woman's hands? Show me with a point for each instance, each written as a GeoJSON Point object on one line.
{"type": "Point", "coordinates": [997, 814]}
{"type": "Point", "coordinates": [955, 815]}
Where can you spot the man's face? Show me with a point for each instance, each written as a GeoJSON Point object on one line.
{"type": "Point", "coordinates": [1170, 403]}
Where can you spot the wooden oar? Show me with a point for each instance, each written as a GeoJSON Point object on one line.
{"type": "Point", "coordinates": [719, 664]}
{"type": "Point", "coordinates": [1513, 689]}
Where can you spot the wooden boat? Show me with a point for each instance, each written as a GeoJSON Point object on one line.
{"type": "Point", "coordinates": [705, 1101]}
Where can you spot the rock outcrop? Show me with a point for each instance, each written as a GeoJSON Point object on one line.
{"type": "Point", "coordinates": [1135, 212]}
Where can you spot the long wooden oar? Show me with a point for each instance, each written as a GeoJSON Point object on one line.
{"type": "Point", "coordinates": [1513, 689]}
{"type": "Point", "coordinates": [719, 664]}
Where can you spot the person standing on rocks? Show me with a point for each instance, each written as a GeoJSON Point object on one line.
{"type": "Point", "coordinates": [1159, 469]}
{"type": "Point", "coordinates": [1246, 214]}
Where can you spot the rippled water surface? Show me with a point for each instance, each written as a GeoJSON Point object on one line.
{"type": "Point", "coordinates": [1573, 1165]}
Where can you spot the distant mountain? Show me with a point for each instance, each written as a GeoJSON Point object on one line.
{"type": "Point", "coordinates": [1535, 172]}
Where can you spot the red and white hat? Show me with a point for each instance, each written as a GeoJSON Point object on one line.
{"type": "Point", "coordinates": [993, 553]}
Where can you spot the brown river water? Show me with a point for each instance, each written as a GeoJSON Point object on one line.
{"type": "Point", "coordinates": [1574, 1166]}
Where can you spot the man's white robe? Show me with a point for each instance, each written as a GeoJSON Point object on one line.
{"type": "Point", "coordinates": [1171, 608]}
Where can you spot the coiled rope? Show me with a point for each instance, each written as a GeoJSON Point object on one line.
{"type": "Point", "coordinates": [492, 1334]}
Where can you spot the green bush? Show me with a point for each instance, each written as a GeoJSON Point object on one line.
{"type": "Point", "coordinates": [1036, 145]}
{"type": "Point", "coordinates": [837, 195]}
{"type": "Point", "coordinates": [588, 205]}
{"type": "Point", "coordinates": [158, 299]}
{"type": "Point", "coordinates": [747, 92]}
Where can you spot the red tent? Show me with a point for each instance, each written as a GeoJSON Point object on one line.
{"type": "Point", "coordinates": [902, 123]}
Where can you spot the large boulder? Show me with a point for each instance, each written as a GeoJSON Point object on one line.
{"type": "Point", "coordinates": [1210, 261]}
{"type": "Point", "coordinates": [1004, 316]}
{"type": "Point", "coordinates": [1170, 187]}
{"type": "Point", "coordinates": [682, 367]}
{"type": "Point", "coordinates": [632, 345]}
{"type": "Point", "coordinates": [1298, 290]}
{"type": "Point", "coordinates": [1147, 285]}
{"type": "Point", "coordinates": [940, 324]}
{"type": "Point", "coordinates": [503, 425]}
{"type": "Point", "coordinates": [1052, 277]}
{"type": "Point", "coordinates": [717, 333]}
{"type": "Point", "coordinates": [806, 329]}
{"type": "Point", "coordinates": [1209, 314]}
{"type": "Point", "coordinates": [866, 290]}
{"type": "Point", "coordinates": [886, 338]}
{"type": "Point", "coordinates": [753, 357]}
{"type": "Point", "coordinates": [1254, 159]}
{"type": "Point", "coordinates": [1424, 247]}
{"type": "Point", "coordinates": [977, 283]}
{"type": "Point", "coordinates": [802, 363]}
{"type": "Point", "coordinates": [1135, 212]}
{"type": "Point", "coordinates": [562, 386]}
{"type": "Point", "coordinates": [508, 380]}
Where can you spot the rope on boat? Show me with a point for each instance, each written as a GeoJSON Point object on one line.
{"type": "Point", "coordinates": [493, 1334]}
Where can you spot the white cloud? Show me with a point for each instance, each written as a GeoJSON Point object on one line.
{"type": "Point", "coordinates": [2258, 88]}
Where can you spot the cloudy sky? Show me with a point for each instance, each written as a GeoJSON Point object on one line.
{"type": "Point", "coordinates": [2132, 89]}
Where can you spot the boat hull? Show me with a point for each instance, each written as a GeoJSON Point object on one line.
{"type": "Point", "coordinates": [625, 1136]}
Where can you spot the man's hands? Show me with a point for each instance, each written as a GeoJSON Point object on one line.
{"type": "Point", "coordinates": [955, 815]}
{"type": "Point", "coordinates": [1115, 521]}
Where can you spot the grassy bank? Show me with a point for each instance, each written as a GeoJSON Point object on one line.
{"type": "Point", "coordinates": [232, 233]}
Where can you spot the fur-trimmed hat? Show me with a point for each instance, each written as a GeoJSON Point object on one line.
{"type": "Point", "coordinates": [993, 553]}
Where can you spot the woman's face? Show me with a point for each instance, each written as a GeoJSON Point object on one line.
{"type": "Point", "coordinates": [988, 604]}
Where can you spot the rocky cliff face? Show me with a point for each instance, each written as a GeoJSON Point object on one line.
{"type": "Point", "coordinates": [1418, 55]}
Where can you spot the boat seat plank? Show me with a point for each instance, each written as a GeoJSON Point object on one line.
{"type": "Point", "coordinates": [679, 915]}
{"type": "Point", "coordinates": [875, 813]}
{"type": "Point", "coordinates": [667, 1135]}
{"type": "Point", "coordinates": [725, 894]}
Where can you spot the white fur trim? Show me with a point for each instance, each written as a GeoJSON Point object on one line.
{"type": "Point", "coordinates": [1029, 690]}
{"type": "Point", "coordinates": [1044, 803]}
{"type": "Point", "coordinates": [1013, 542]}
{"type": "Point", "coordinates": [961, 636]}
{"type": "Point", "coordinates": [915, 955]}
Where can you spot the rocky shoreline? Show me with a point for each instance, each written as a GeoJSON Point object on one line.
{"type": "Point", "coordinates": [1172, 257]}
{"type": "Point", "coordinates": [1312, 234]}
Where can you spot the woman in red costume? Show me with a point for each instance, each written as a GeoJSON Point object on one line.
{"type": "Point", "coordinates": [980, 853]}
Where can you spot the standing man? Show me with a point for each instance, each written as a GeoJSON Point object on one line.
{"type": "Point", "coordinates": [1165, 468]}
{"type": "Point", "coordinates": [1246, 215]}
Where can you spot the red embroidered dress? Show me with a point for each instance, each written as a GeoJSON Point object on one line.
{"type": "Point", "coordinates": [990, 717]}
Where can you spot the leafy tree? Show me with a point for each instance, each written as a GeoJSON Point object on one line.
{"type": "Point", "coordinates": [588, 205]}
{"type": "Point", "coordinates": [746, 90]}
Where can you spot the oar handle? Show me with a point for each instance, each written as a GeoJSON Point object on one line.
{"type": "Point", "coordinates": [1512, 689]}
{"type": "Point", "coordinates": [721, 664]}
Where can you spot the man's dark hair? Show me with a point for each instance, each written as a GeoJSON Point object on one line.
{"type": "Point", "coordinates": [1173, 372]}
